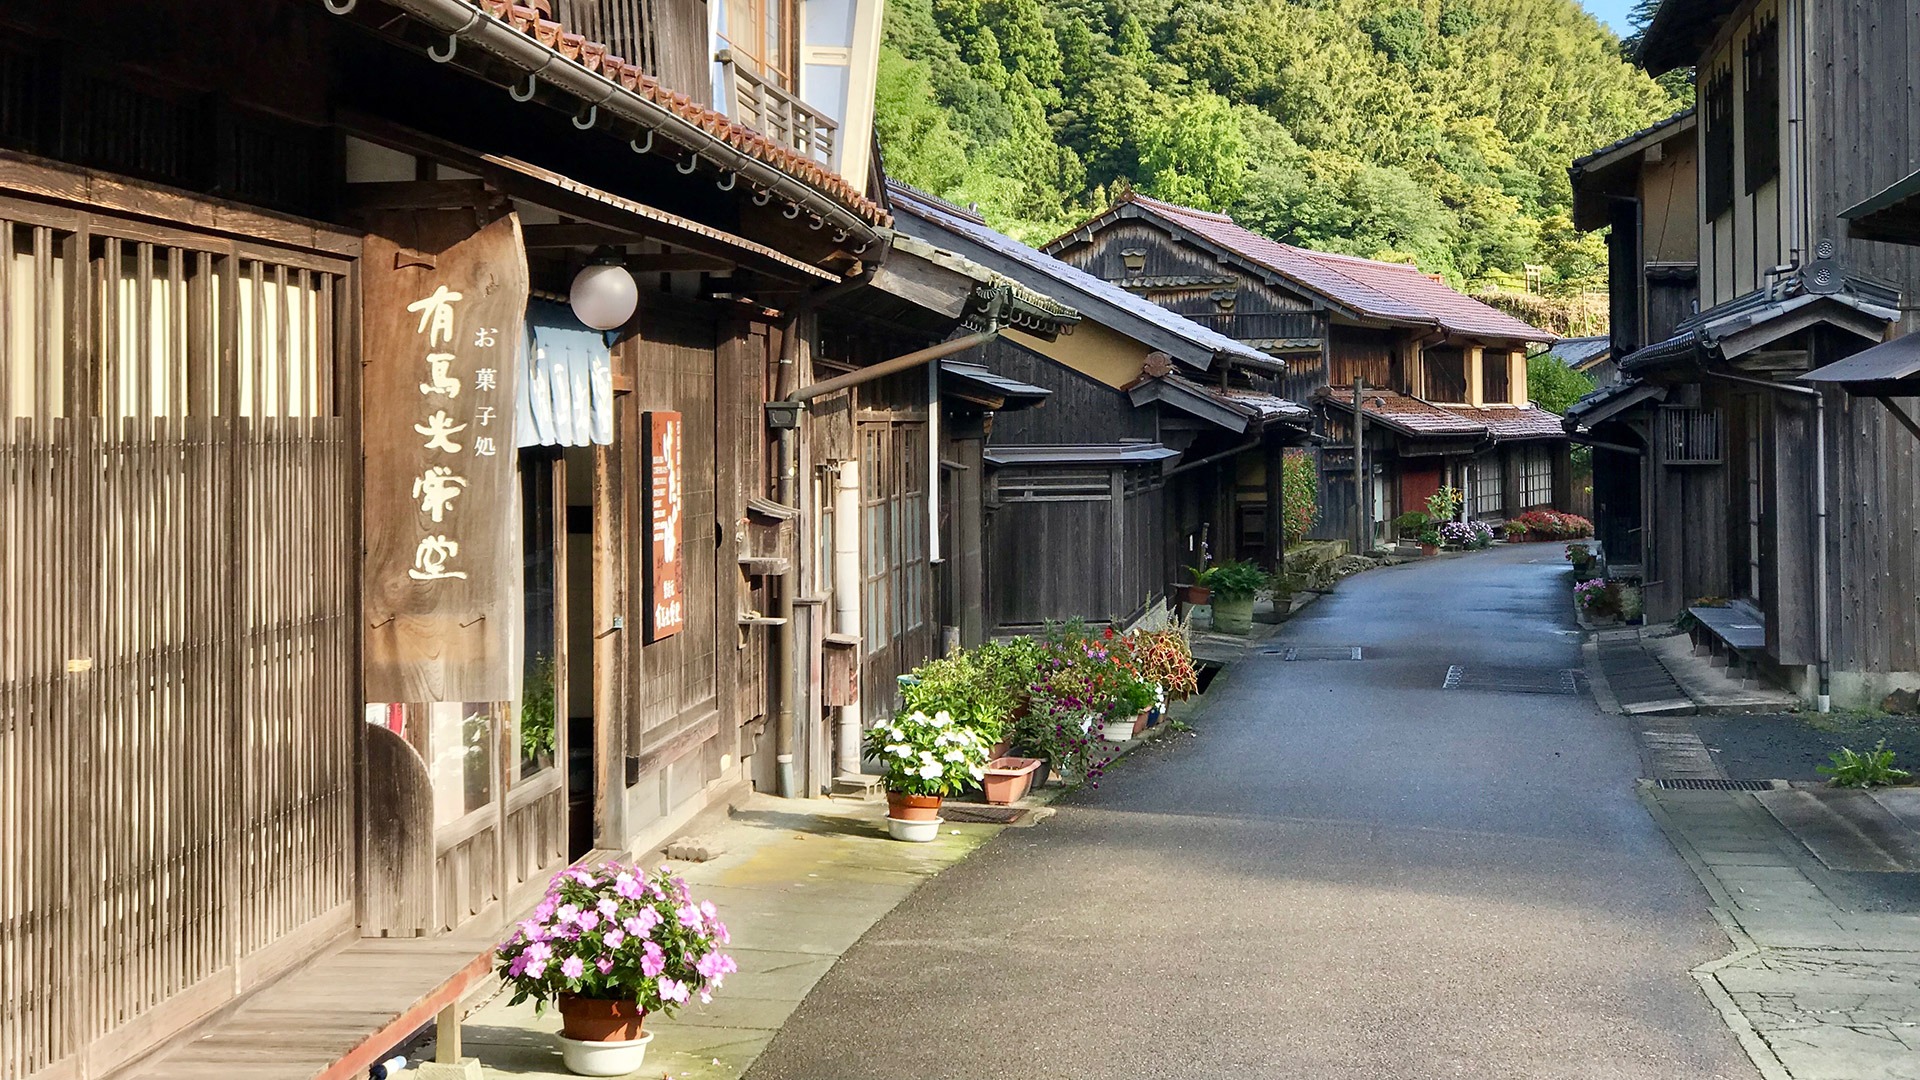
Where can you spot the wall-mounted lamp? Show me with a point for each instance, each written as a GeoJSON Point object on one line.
{"type": "Point", "coordinates": [604, 294]}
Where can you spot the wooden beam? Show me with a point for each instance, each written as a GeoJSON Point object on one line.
{"type": "Point", "coordinates": [576, 234]}
{"type": "Point", "coordinates": [419, 195]}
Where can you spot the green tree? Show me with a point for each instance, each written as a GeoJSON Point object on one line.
{"type": "Point", "coordinates": [1195, 154]}
{"type": "Point", "coordinates": [1554, 385]}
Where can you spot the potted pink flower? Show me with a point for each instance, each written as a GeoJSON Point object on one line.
{"type": "Point", "coordinates": [610, 944]}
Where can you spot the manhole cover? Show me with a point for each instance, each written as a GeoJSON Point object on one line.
{"type": "Point", "coordinates": [1317, 652]}
{"type": "Point", "coordinates": [1694, 783]}
{"type": "Point", "coordinates": [1496, 680]}
{"type": "Point", "coordinates": [982, 815]}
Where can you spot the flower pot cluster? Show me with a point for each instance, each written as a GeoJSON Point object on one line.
{"type": "Point", "coordinates": [1602, 600]}
{"type": "Point", "coordinates": [1230, 587]}
{"type": "Point", "coordinates": [1536, 526]}
{"type": "Point", "coordinates": [610, 946]}
{"type": "Point", "coordinates": [1004, 715]}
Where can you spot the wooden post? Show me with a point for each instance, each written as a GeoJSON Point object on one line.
{"type": "Point", "coordinates": [1361, 527]}
{"type": "Point", "coordinates": [1276, 552]}
{"type": "Point", "coordinates": [446, 1035]}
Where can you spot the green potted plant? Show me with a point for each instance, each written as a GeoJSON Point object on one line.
{"type": "Point", "coordinates": [1410, 525]}
{"type": "Point", "coordinates": [1127, 714]}
{"type": "Point", "coordinates": [1197, 592]}
{"type": "Point", "coordinates": [538, 711]}
{"type": "Point", "coordinates": [610, 945]}
{"type": "Point", "coordinates": [926, 759]}
{"type": "Point", "coordinates": [1234, 586]}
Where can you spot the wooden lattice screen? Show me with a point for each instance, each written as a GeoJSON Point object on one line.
{"type": "Point", "coordinates": [177, 694]}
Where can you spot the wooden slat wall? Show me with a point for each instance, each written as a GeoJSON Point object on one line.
{"type": "Point", "coordinates": [176, 705]}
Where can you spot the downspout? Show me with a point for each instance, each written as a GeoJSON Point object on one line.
{"type": "Point", "coordinates": [786, 476]}
{"type": "Point", "coordinates": [1821, 607]}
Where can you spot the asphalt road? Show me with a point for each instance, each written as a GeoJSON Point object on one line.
{"type": "Point", "coordinates": [1349, 873]}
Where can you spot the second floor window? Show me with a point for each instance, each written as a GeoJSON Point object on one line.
{"type": "Point", "coordinates": [1494, 388]}
{"type": "Point", "coordinates": [1446, 375]}
{"type": "Point", "coordinates": [1760, 105]}
{"type": "Point", "coordinates": [1716, 169]}
{"type": "Point", "coordinates": [758, 33]}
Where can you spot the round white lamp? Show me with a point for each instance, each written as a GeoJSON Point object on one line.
{"type": "Point", "coordinates": [604, 296]}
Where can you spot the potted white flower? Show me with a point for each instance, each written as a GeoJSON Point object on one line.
{"type": "Point", "coordinates": [609, 945]}
{"type": "Point", "coordinates": [926, 758]}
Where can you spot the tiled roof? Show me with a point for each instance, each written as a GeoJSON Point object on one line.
{"type": "Point", "coordinates": [1628, 140]}
{"type": "Point", "coordinates": [593, 56]}
{"type": "Point", "coordinates": [1415, 416]}
{"type": "Point", "coordinates": [1576, 351]}
{"type": "Point", "coordinates": [1515, 422]}
{"type": "Point", "coordinates": [1266, 405]}
{"type": "Point", "coordinates": [1389, 291]}
{"type": "Point", "coordinates": [1049, 275]}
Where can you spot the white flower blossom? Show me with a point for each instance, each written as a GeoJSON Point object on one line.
{"type": "Point", "coordinates": [896, 733]}
{"type": "Point", "coordinates": [942, 718]}
{"type": "Point", "coordinates": [931, 772]}
{"type": "Point", "coordinates": [901, 749]}
{"type": "Point", "coordinates": [977, 772]}
{"type": "Point", "coordinates": [955, 755]}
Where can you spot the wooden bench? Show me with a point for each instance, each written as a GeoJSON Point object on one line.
{"type": "Point", "coordinates": [1734, 635]}
{"type": "Point", "coordinates": [332, 1018]}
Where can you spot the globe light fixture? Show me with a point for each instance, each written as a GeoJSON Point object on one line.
{"type": "Point", "coordinates": [604, 295]}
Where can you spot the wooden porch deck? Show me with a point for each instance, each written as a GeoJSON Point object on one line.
{"type": "Point", "coordinates": [329, 1019]}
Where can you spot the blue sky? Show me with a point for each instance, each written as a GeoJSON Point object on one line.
{"type": "Point", "coordinates": [1611, 12]}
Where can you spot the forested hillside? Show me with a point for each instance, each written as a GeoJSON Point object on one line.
{"type": "Point", "coordinates": [1431, 131]}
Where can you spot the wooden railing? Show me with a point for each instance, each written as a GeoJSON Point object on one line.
{"type": "Point", "coordinates": [1260, 325]}
{"type": "Point", "coordinates": [776, 113]}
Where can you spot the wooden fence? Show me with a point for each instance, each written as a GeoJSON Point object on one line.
{"type": "Point", "coordinates": [177, 660]}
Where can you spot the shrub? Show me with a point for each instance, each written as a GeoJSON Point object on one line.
{"type": "Point", "coordinates": [1299, 494]}
{"type": "Point", "coordinates": [1871, 769]}
{"type": "Point", "coordinates": [1411, 523]}
{"type": "Point", "coordinates": [617, 933]}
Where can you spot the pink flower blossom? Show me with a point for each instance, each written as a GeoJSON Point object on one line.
{"type": "Point", "coordinates": [608, 907]}
{"type": "Point", "coordinates": [518, 967]}
{"type": "Point", "coordinates": [653, 961]}
{"type": "Point", "coordinates": [706, 997]}
{"type": "Point", "coordinates": [708, 966]}
{"type": "Point", "coordinates": [720, 931]}
{"type": "Point", "coordinates": [642, 924]}
{"type": "Point", "coordinates": [587, 920]}
{"type": "Point", "coordinates": [572, 967]}
{"type": "Point", "coordinates": [690, 917]}
{"type": "Point", "coordinates": [547, 906]}
{"type": "Point", "coordinates": [614, 938]}
{"type": "Point", "coordinates": [672, 991]}
{"type": "Point", "coordinates": [628, 886]}
{"type": "Point", "coordinates": [584, 877]}
{"type": "Point", "coordinates": [605, 964]}
{"type": "Point", "coordinates": [539, 952]}
{"type": "Point", "coordinates": [568, 912]}
{"type": "Point", "coordinates": [536, 969]}
{"type": "Point", "coordinates": [707, 909]}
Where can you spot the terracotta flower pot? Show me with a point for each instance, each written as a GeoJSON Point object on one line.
{"type": "Point", "coordinates": [1429, 549]}
{"type": "Point", "coordinates": [1139, 724]}
{"type": "Point", "coordinates": [913, 807]}
{"type": "Point", "coordinates": [1195, 594]}
{"type": "Point", "coordinates": [600, 1020]}
{"type": "Point", "coordinates": [1008, 779]}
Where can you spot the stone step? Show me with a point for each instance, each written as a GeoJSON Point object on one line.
{"type": "Point", "coordinates": [1847, 829]}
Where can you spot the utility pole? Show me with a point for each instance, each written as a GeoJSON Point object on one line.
{"type": "Point", "coordinates": [1361, 503]}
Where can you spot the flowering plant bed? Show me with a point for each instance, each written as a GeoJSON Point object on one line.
{"type": "Point", "coordinates": [1470, 535]}
{"type": "Point", "coordinates": [1548, 525]}
{"type": "Point", "coordinates": [617, 933]}
{"type": "Point", "coordinates": [1599, 598]}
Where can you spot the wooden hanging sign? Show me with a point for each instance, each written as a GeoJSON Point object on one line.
{"type": "Point", "coordinates": [666, 605]}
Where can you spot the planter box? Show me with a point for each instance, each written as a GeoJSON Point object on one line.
{"type": "Point", "coordinates": [1233, 616]}
{"type": "Point", "coordinates": [1008, 779]}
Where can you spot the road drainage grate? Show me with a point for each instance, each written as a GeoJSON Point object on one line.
{"type": "Point", "coordinates": [1495, 680]}
{"type": "Point", "coordinates": [1317, 652]}
{"type": "Point", "coordinates": [982, 815]}
{"type": "Point", "coordinates": [1696, 783]}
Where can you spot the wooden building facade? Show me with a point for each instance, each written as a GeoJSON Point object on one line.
{"type": "Point", "coordinates": [352, 585]}
{"type": "Point", "coordinates": [1157, 446]}
{"type": "Point", "coordinates": [1445, 376]}
{"type": "Point", "coordinates": [1762, 486]}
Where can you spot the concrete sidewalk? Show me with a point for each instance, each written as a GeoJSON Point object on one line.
{"type": "Point", "coordinates": [798, 882]}
{"type": "Point", "coordinates": [1824, 979]}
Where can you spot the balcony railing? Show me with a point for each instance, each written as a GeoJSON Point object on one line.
{"type": "Point", "coordinates": [776, 113]}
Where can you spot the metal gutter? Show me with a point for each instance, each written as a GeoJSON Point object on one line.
{"type": "Point", "coordinates": [465, 23]}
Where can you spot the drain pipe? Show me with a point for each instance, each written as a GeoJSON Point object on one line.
{"type": "Point", "coordinates": [846, 600]}
{"type": "Point", "coordinates": [1823, 698]}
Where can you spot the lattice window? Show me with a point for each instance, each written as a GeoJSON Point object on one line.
{"type": "Point", "coordinates": [1056, 485]}
{"type": "Point", "coordinates": [1690, 436]}
{"type": "Point", "coordinates": [1488, 492]}
{"type": "Point", "coordinates": [1760, 105]}
{"type": "Point", "coordinates": [1536, 476]}
{"type": "Point", "coordinates": [1717, 167]}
